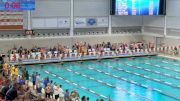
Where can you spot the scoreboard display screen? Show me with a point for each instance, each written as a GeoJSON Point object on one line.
{"type": "Point", "coordinates": [17, 4]}
{"type": "Point", "coordinates": [138, 7]}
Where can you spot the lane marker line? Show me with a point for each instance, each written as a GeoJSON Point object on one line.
{"type": "Point", "coordinates": [120, 78]}
{"type": "Point", "coordinates": [157, 79]}
{"type": "Point", "coordinates": [132, 93]}
{"type": "Point", "coordinates": [158, 90]}
{"type": "Point", "coordinates": [144, 76]}
{"type": "Point", "coordinates": [147, 77]}
{"type": "Point", "coordinates": [165, 61]}
{"type": "Point", "coordinates": [156, 72]}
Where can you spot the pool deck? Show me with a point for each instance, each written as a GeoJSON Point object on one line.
{"type": "Point", "coordinates": [169, 56]}
{"type": "Point", "coordinates": [69, 59]}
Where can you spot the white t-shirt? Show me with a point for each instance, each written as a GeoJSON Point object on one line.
{"type": "Point", "coordinates": [61, 92]}
{"type": "Point", "coordinates": [56, 90]}
{"type": "Point", "coordinates": [37, 79]}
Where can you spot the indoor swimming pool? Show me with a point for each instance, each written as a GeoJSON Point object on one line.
{"type": "Point", "coordinates": [121, 79]}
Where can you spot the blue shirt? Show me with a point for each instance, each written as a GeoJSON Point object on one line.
{"type": "Point", "coordinates": [21, 82]}
{"type": "Point", "coordinates": [33, 77]}
{"type": "Point", "coordinates": [45, 83]}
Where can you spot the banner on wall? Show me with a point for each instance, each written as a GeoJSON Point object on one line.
{"type": "Point", "coordinates": [102, 22]}
{"type": "Point", "coordinates": [91, 21]}
{"type": "Point", "coordinates": [11, 20]}
{"type": "Point", "coordinates": [80, 22]}
{"type": "Point", "coordinates": [63, 22]}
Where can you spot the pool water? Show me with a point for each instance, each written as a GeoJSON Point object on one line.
{"type": "Point", "coordinates": [121, 79]}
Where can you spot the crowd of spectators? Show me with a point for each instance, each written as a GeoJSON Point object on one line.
{"type": "Point", "coordinates": [82, 48]}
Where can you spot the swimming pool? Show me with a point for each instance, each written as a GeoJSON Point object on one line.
{"type": "Point", "coordinates": [122, 79]}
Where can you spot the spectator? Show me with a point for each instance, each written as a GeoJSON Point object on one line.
{"type": "Point", "coordinates": [61, 93]}
{"type": "Point", "coordinates": [27, 76]}
{"type": "Point", "coordinates": [56, 91]}
{"type": "Point", "coordinates": [5, 89]}
{"type": "Point", "coordinates": [13, 71]}
{"type": "Point", "coordinates": [83, 98]}
{"type": "Point", "coordinates": [39, 90]}
{"type": "Point", "coordinates": [5, 69]}
{"type": "Point", "coordinates": [16, 71]}
{"type": "Point", "coordinates": [101, 100]}
{"type": "Point", "coordinates": [66, 97]}
{"type": "Point", "coordinates": [48, 91]}
{"type": "Point", "coordinates": [27, 90]}
{"type": "Point", "coordinates": [87, 98]}
{"type": "Point", "coordinates": [37, 79]}
{"type": "Point", "coordinates": [52, 90]}
{"type": "Point", "coordinates": [97, 100]}
{"type": "Point", "coordinates": [12, 93]}
{"type": "Point", "coordinates": [21, 94]}
{"type": "Point", "coordinates": [48, 79]}
{"type": "Point", "coordinates": [34, 80]}
{"type": "Point", "coordinates": [45, 82]}
{"type": "Point", "coordinates": [75, 94]}
{"type": "Point", "coordinates": [21, 81]}
{"type": "Point", "coordinates": [1, 79]}
{"type": "Point", "coordinates": [24, 72]}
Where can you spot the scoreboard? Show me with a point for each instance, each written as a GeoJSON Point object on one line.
{"type": "Point", "coordinates": [17, 4]}
{"type": "Point", "coordinates": [137, 7]}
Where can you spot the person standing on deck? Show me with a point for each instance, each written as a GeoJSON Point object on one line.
{"type": "Point", "coordinates": [37, 79]}
{"type": "Point", "coordinates": [61, 93]}
{"type": "Point", "coordinates": [34, 80]}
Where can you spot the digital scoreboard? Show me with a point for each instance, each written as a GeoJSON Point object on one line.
{"type": "Point", "coordinates": [138, 7]}
{"type": "Point", "coordinates": [17, 4]}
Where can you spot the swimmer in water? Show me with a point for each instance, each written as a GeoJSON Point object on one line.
{"type": "Point", "coordinates": [42, 66]}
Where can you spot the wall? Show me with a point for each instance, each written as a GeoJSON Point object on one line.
{"type": "Point", "coordinates": [51, 8]}
{"type": "Point", "coordinates": [173, 17]}
{"type": "Point", "coordinates": [167, 41]}
{"type": "Point", "coordinates": [153, 25]}
{"type": "Point", "coordinates": [90, 8]}
{"type": "Point", "coordinates": [126, 21]}
{"type": "Point", "coordinates": [50, 14]}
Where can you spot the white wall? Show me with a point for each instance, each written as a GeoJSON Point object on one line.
{"type": "Point", "coordinates": [166, 41]}
{"type": "Point", "coordinates": [125, 21]}
{"type": "Point", "coordinates": [173, 15]}
{"type": "Point", "coordinates": [153, 25]}
{"type": "Point", "coordinates": [173, 7]}
{"type": "Point", "coordinates": [51, 8]}
{"type": "Point", "coordinates": [153, 21]}
{"type": "Point", "coordinates": [90, 8]}
{"type": "Point", "coordinates": [25, 19]}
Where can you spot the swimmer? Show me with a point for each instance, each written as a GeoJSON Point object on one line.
{"type": "Point", "coordinates": [62, 63]}
{"type": "Point", "coordinates": [81, 62]}
{"type": "Point", "coordinates": [99, 60]}
{"type": "Point", "coordinates": [116, 59]}
{"type": "Point", "coordinates": [42, 66]}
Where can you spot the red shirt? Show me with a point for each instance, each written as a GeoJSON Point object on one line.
{"type": "Point", "coordinates": [1, 81]}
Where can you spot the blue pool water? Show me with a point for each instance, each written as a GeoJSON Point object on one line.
{"type": "Point", "coordinates": [122, 79]}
